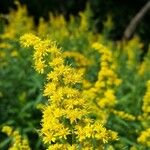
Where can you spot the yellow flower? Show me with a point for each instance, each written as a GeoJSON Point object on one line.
{"type": "Point", "coordinates": [50, 89]}
{"type": "Point", "coordinates": [7, 129]}
{"type": "Point", "coordinates": [74, 114]}
{"type": "Point", "coordinates": [18, 142]}
{"type": "Point", "coordinates": [29, 40]}
{"type": "Point", "coordinates": [146, 101]}
{"type": "Point", "coordinates": [132, 50]}
{"type": "Point", "coordinates": [14, 53]}
{"type": "Point", "coordinates": [18, 23]}
{"type": "Point", "coordinates": [66, 113]}
{"type": "Point", "coordinates": [102, 92]}
{"type": "Point", "coordinates": [144, 137]}
{"type": "Point", "coordinates": [124, 115]}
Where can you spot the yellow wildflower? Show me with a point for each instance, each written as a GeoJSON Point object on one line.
{"type": "Point", "coordinates": [18, 142]}
{"type": "Point", "coordinates": [67, 110]}
{"type": "Point", "coordinates": [144, 137]}
{"type": "Point", "coordinates": [124, 115]}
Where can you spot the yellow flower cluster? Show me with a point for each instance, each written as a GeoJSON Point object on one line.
{"type": "Point", "coordinates": [81, 60]}
{"type": "Point", "coordinates": [102, 93]}
{"type": "Point", "coordinates": [62, 147]}
{"type": "Point", "coordinates": [132, 50]}
{"type": "Point", "coordinates": [107, 76]}
{"type": "Point", "coordinates": [144, 137]}
{"type": "Point", "coordinates": [108, 100]}
{"type": "Point", "coordinates": [2, 54]}
{"type": "Point", "coordinates": [40, 48]}
{"type": "Point", "coordinates": [84, 19]}
{"type": "Point", "coordinates": [5, 45]}
{"type": "Point", "coordinates": [124, 115]}
{"type": "Point", "coordinates": [77, 108]}
{"type": "Point", "coordinates": [42, 27]}
{"type": "Point", "coordinates": [19, 22]}
{"type": "Point", "coordinates": [144, 66]}
{"type": "Point", "coordinates": [65, 117]}
{"type": "Point", "coordinates": [56, 26]}
{"type": "Point", "coordinates": [18, 143]}
{"type": "Point", "coordinates": [146, 102]}
{"type": "Point", "coordinates": [146, 105]}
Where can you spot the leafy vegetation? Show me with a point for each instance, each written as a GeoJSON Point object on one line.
{"type": "Point", "coordinates": [65, 86]}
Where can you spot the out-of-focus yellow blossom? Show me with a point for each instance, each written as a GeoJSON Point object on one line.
{"type": "Point", "coordinates": [81, 60]}
{"type": "Point", "coordinates": [18, 22]}
{"type": "Point", "coordinates": [2, 54]}
{"type": "Point", "coordinates": [14, 53]}
{"type": "Point", "coordinates": [58, 26]}
{"type": "Point", "coordinates": [40, 106]}
{"type": "Point", "coordinates": [132, 49]}
{"type": "Point", "coordinates": [133, 148]}
{"type": "Point", "coordinates": [86, 84]}
{"type": "Point", "coordinates": [146, 102]}
{"type": "Point", "coordinates": [7, 129]}
{"type": "Point", "coordinates": [124, 115]}
{"type": "Point", "coordinates": [107, 76]}
{"type": "Point", "coordinates": [108, 24]}
{"type": "Point", "coordinates": [58, 21]}
{"type": "Point", "coordinates": [110, 147]}
{"type": "Point", "coordinates": [84, 19]}
{"type": "Point", "coordinates": [102, 93]}
{"type": "Point", "coordinates": [22, 96]}
{"type": "Point", "coordinates": [18, 142]}
{"type": "Point", "coordinates": [144, 137]}
{"type": "Point", "coordinates": [66, 113]}
{"type": "Point", "coordinates": [144, 66]}
{"type": "Point", "coordinates": [84, 23]}
{"type": "Point", "coordinates": [5, 45]}
{"type": "Point", "coordinates": [109, 99]}
{"type": "Point", "coordinates": [42, 28]}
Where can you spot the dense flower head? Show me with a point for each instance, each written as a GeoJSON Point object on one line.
{"type": "Point", "coordinates": [66, 116]}
{"type": "Point", "coordinates": [41, 50]}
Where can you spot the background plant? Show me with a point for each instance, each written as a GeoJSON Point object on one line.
{"type": "Point", "coordinates": [21, 87]}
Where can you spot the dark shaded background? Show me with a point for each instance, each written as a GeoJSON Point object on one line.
{"type": "Point", "coordinates": [122, 12]}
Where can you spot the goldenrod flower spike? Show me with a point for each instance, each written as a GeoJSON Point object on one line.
{"type": "Point", "coordinates": [18, 142]}
{"type": "Point", "coordinates": [144, 137]}
{"type": "Point", "coordinates": [65, 120]}
{"type": "Point", "coordinates": [145, 118]}
{"type": "Point", "coordinates": [146, 101]}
